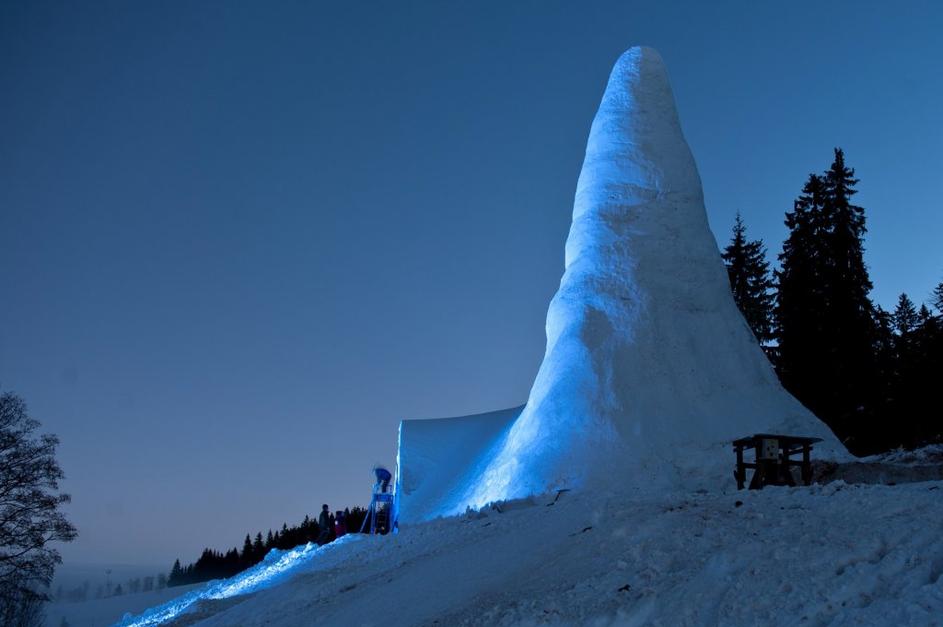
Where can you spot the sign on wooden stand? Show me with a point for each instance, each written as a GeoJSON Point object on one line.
{"type": "Point", "coordinates": [772, 464]}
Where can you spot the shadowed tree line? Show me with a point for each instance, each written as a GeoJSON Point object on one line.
{"type": "Point", "coordinates": [218, 565]}
{"type": "Point", "coordinates": [870, 374]}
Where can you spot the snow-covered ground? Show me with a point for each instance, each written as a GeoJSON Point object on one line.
{"type": "Point", "coordinates": [835, 554]}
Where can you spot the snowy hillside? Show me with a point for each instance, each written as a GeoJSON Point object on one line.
{"type": "Point", "coordinates": [836, 554]}
{"type": "Point", "coordinates": [650, 372]}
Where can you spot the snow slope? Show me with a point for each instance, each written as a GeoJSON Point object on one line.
{"type": "Point", "coordinates": [277, 567]}
{"type": "Point", "coordinates": [827, 555]}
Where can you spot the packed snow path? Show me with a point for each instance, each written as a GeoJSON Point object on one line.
{"type": "Point", "coordinates": [826, 555]}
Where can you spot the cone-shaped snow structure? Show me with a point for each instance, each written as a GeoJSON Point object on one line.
{"type": "Point", "coordinates": [650, 369]}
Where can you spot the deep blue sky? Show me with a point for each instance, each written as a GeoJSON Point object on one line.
{"type": "Point", "coordinates": [239, 242]}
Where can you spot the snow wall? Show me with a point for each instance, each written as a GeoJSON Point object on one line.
{"type": "Point", "coordinates": [438, 460]}
{"type": "Point", "coordinates": [650, 369]}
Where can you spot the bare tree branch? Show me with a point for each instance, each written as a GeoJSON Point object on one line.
{"type": "Point", "coordinates": [30, 520]}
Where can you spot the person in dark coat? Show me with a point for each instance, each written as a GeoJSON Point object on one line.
{"type": "Point", "coordinates": [326, 525]}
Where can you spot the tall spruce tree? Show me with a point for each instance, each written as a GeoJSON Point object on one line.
{"type": "Point", "coordinates": [825, 319]}
{"type": "Point", "coordinates": [750, 280]}
{"type": "Point", "coordinates": [800, 300]}
{"type": "Point", "coordinates": [849, 313]}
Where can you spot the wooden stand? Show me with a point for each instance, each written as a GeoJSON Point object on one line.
{"type": "Point", "coordinates": [772, 465]}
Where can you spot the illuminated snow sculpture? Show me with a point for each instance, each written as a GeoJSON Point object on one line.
{"type": "Point", "coordinates": [650, 370]}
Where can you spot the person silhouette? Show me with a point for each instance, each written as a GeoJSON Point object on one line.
{"type": "Point", "coordinates": [326, 525]}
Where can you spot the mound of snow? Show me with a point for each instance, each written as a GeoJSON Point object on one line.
{"type": "Point", "coordinates": [924, 464]}
{"type": "Point", "coordinates": [650, 369]}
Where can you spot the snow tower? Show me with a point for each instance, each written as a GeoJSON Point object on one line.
{"type": "Point", "coordinates": [650, 370]}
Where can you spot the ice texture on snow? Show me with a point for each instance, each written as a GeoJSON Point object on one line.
{"type": "Point", "coordinates": [650, 370]}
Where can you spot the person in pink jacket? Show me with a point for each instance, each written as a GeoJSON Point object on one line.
{"type": "Point", "coordinates": [340, 524]}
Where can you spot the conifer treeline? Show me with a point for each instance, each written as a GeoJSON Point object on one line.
{"type": "Point", "coordinates": [218, 565]}
{"type": "Point", "coordinates": [869, 374]}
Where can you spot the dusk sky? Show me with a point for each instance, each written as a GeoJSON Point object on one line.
{"type": "Point", "coordinates": [240, 241]}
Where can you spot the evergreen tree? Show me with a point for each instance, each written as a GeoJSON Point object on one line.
{"type": "Point", "coordinates": [231, 563]}
{"type": "Point", "coordinates": [906, 319]}
{"type": "Point", "coordinates": [903, 391]}
{"type": "Point", "coordinates": [849, 314]}
{"type": "Point", "coordinates": [937, 299]}
{"type": "Point", "coordinates": [927, 319]}
{"type": "Point", "coordinates": [927, 373]}
{"type": "Point", "coordinates": [247, 558]}
{"type": "Point", "coordinates": [176, 575]}
{"type": "Point", "coordinates": [826, 324]}
{"type": "Point", "coordinates": [800, 301]}
{"type": "Point", "coordinates": [918, 368]}
{"type": "Point", "coordinates": [314, 530]}
{"type": "Point", "coordinates": [355, 518]}
{"type": "Point", "coordinates": [750, 282]}
{"type": "Point", "coordinates": [885, 353]}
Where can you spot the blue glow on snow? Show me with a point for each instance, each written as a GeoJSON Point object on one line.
{"type": "Point", "coordinates": [501, 469]}
{"type": "Point", "coordinates": [398, 483]}
{"type": "Point", "coordinates": [274, 569]}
